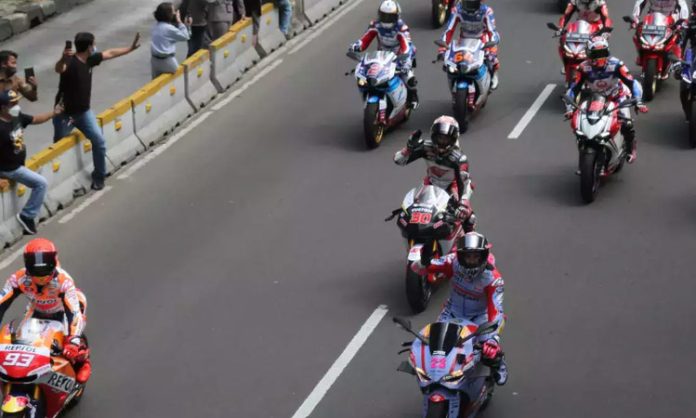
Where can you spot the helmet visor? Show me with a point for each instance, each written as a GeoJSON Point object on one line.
{"type": "Point", "coordinates": [388, 18]}
{"type": "Point", "coordinates": [471, 5]}
{"type": "Point", "coordinates": [443, 142]}
{"type": "Point", "coordinates": [595, 54]}
{"type": "Point", "coordinates": [41, 270]}
{"type": "Point", "coordinates": [472, 258]}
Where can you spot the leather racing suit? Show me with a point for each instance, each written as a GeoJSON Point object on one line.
{"type": "Point", "coordinates": [57, 300]}
{"type": "Point", "coordinates": [477, 298]}
{"type": "Point", "coordinates": [479, 25]}
{"type": "Point", "coordinates": [598, 15]}
{"type": "Point", "coordinates": [397, 39]}
{"type": "Point", "coordinates": [449, 172]}
{"type": "Point", "coordinates": [677, 9]}
{"type": "Point", "coordinates": [614, 80]}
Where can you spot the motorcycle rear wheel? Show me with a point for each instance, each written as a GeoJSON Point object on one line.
{"type": "Point", "coordinates": [650, 80]}
{"type": "Point", "coordinates": [692, 125]}
{"type": "Point", "coordinates": [438, 13]}
{"type": "Point", "coordinates": [589, 175]}
{"type": "Point", "coordinates": [374, 131]}
{"type": "Point", "coordinates": [418, 290]}
{"type": "Point", "coordinates": [461, 109]}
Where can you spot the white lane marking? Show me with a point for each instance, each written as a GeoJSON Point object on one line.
{"type": "Point", "coordinates": [82, 206]}
{"type": "Point", "coordinates": [160, 149]}
{"type": "Point", "coordinates": [12, 257]}
{"type": "Point", "coordinates": [341, 362]}
{"type": "Point", "coordinates": [531, 112]}
{"type": "Point", "coordinates": [257, 77]}
{"type": "Point", "coordinates": [325, 25]}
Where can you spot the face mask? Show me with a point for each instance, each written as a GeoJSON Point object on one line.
{"type": "Point", "coordinates": [14, 111]}
{"type": "Point", "coordinates": [9, 71]}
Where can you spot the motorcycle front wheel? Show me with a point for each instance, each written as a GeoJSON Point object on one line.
{"type": "Point", "coordinates": [437, 410]}
{"type": "Point", "coordinates": [589, 175]}
{"type": "Point", "coordinates": [374, 130]}
{"type": "Point", "coordinates": [461, 109]}
{"type": "Point", "coordinates": [418, 290]}
{"type": "Point", "coordinates": [650, 80]}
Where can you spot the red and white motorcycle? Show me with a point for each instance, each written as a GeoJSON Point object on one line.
{"type": "Point", "coordinates": [573, 43]}
{"type": "Point", "coordinates": [596, 124]}
{"type": "Point", "coordinates": [655, 38]}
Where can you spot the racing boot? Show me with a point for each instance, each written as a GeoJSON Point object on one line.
{"type": "Point", "coordinates": [83, 371]}
{"type": "Point", "coordinates": [629, 135]}
{"type": "Point", "coordinates": [500, 372]}
{"type": "Point", "coordinates": [494, 80]}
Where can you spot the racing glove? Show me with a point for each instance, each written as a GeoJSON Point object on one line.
{"type": "Point", "coordinates": [641, 107]}
{"type": "Point", "coordinates": [356, 47]}
{"type": "Point", "coordinates": [441, 53]}
{"type": "Point", "coordinates": [491, 349]}
{"type": "Point", "coordinates": [415, 140]}
{"type": "Point", "coordinates": [71, 350]}
{"type": "Point", "coordinates": [463, 211]}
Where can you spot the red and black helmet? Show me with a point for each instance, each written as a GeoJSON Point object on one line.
{"type": "Point", "coordinates": [40, 258]}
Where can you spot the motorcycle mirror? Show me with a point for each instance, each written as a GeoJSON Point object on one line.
{"type": "Point", "coordinates": [627, 19]}
{"type": "Point", "coordinates": [440, 43]}
{"type": "Point", "coordinates": [403, 322]}
{"type": "Point", "coordinates": [604, 30]}
{"type": "Point", "coordinates": [486, 328]}
{"type": "Point", "coordinates": [406, 367]}
{"type": "Point", "coordinates": [553, 26]}
{"type": "Point", "coordinates": [353, 55]}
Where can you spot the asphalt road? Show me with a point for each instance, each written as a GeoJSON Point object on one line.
{"type": "Point", "coordinates": [226, 275]}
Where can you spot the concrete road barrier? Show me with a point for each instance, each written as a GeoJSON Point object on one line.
{"type": "Point", "coordinates": [200, 89]}
{"type": "Point", "coordinates": [270, 36]}
{"type": "Point", "coordinates": [321, 9]}
{"type": "Point", "coordinates": [118, 128]}
{"type": "Point", "coordinates": [222, 56]}
{"type": "Point", "coordinates": [160, 106]}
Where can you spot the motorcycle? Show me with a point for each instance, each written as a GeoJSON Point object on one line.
{"type": "Point", "coordinates": [574, 40]}
{"type": "Point", "coordinates": [687, 91]}
{"type": "Point", "coordinates": [468, 76]}
{"type": "Point", "coordinates": [384, 93]}
{"type": "Point", "coordinates": [657, 36]}
{"type": "Point", "coordinates": [449, 368]}
{"type": "Point", "coordinates": [431, 231]}
{"type": "Point", "coordinates": [37, 381]}
{"type": "Point", "coordinates": [596, 123]}
{"type": "Point", "coordinates": [441, 11]}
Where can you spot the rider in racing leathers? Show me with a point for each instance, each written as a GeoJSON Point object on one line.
{"type": "Point", "coordinates": [477, 21]}
{"type": "Point", "coordinates": [476, 295]}
{"type": "Point", "coordinates": [52, 295]}
{"type": "Point", "coordinates": [677, 9]}
{"type": "Point", "coordinates": [447, 166]}
{"type": "Point", "coordinates": [393, 35]}
{"type": "Point", "coordinates": [602, 73]}
{"type": "Point", "coordinates": [591, 11]}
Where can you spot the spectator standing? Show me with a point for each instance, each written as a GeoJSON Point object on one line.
{"type": "Point", "coordinates": [196, 9]}
{"type": "Point", "coordinates": [13, 154]}
{"type": "Point", "coordinates": [284, 16]}
{"type": "Point", "coordinates": [253, 10]}
{"type": "Point", "coordinates": [10, 80]}
{"type": "Point", "coordinates": [220, 17]}
{"type": "Point", "coordinates": [168, 30]}
{"type": "Point", "coordinates": [75, 93]}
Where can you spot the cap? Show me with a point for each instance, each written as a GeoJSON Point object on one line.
{"type": "Point", "coordinates": [9, 97]}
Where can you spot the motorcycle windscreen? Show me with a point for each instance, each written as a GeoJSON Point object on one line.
{"type": "Point", "coordinates": [32, 329]}
{"type": "Point", "coordinates": [443, 336]}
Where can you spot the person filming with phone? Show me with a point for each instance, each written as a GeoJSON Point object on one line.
{"type": "Point", "coordinates": [27, 86]}
{"type": "Point", "coordinates": [75, 93]}
{"type": "Point", "coordinates": [168, 30]}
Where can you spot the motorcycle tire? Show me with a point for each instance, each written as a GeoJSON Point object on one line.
{"type": "Point", "coordinates": [490, 390]}
{"type": "Point", "coordinates": [437, 410]}
{"type": "Point", "coordinates": [650, 80]}
{"type": "Point", "coordinates": [23, 414]}
{"type": "Point", "coordinates": [418, 290]}
{"type": "Point", "coordinates": [438, 13]}
{"type": "Point", "coordinates": [374, 131]}
{"type": "Point", "coordinates": [76, 400]}
{"type": "Point", "coordinates": [692, 125]}
{"type": "Point", "coordinates": [461, 110]}
{"type": "Point", "coordinates": [590, 168]}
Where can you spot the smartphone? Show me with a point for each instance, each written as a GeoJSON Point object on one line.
{"type": "Point", "coordinates": [68, 44]}
{"type": "Point", "coordinates": [28, 72]}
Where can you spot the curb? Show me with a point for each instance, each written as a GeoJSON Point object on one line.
{"type": "Point", "coordinates": [32, 15]}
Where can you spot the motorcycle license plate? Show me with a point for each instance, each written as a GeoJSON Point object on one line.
{"type": "Point", "coordinates": [577, 37]}
{"type": "Point", "coordinates": [654, 30]}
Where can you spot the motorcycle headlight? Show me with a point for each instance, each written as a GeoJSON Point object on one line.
{"type": "Point", "coordinates": [452, 69]}
{"type": "Point", "coordinates": [454, 376]}
{"type": "Point", "coordinates": [605, 135]}
{"type": "Point", "coordinates": [422, 375]}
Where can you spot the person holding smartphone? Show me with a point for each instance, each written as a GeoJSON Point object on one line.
{"type": "Point", "coordinates": [27, 86]}
{"type": "Point", "coordinates": [75, 94]}
{"type": "Point", "coordinates": [168, 30]}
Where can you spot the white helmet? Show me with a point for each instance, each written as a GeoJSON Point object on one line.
{"type": "Point", "coordinates": [590, 4]}
{"type": "Point", "coordinates": [389, 12]}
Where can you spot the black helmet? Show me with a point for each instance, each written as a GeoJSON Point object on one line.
{"type": "Point", "coordinates": [444, 134]}
{"type": "Point", "coordinates": [471, 5]}
{"type": "Point", "coordinates": [472, 253]}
